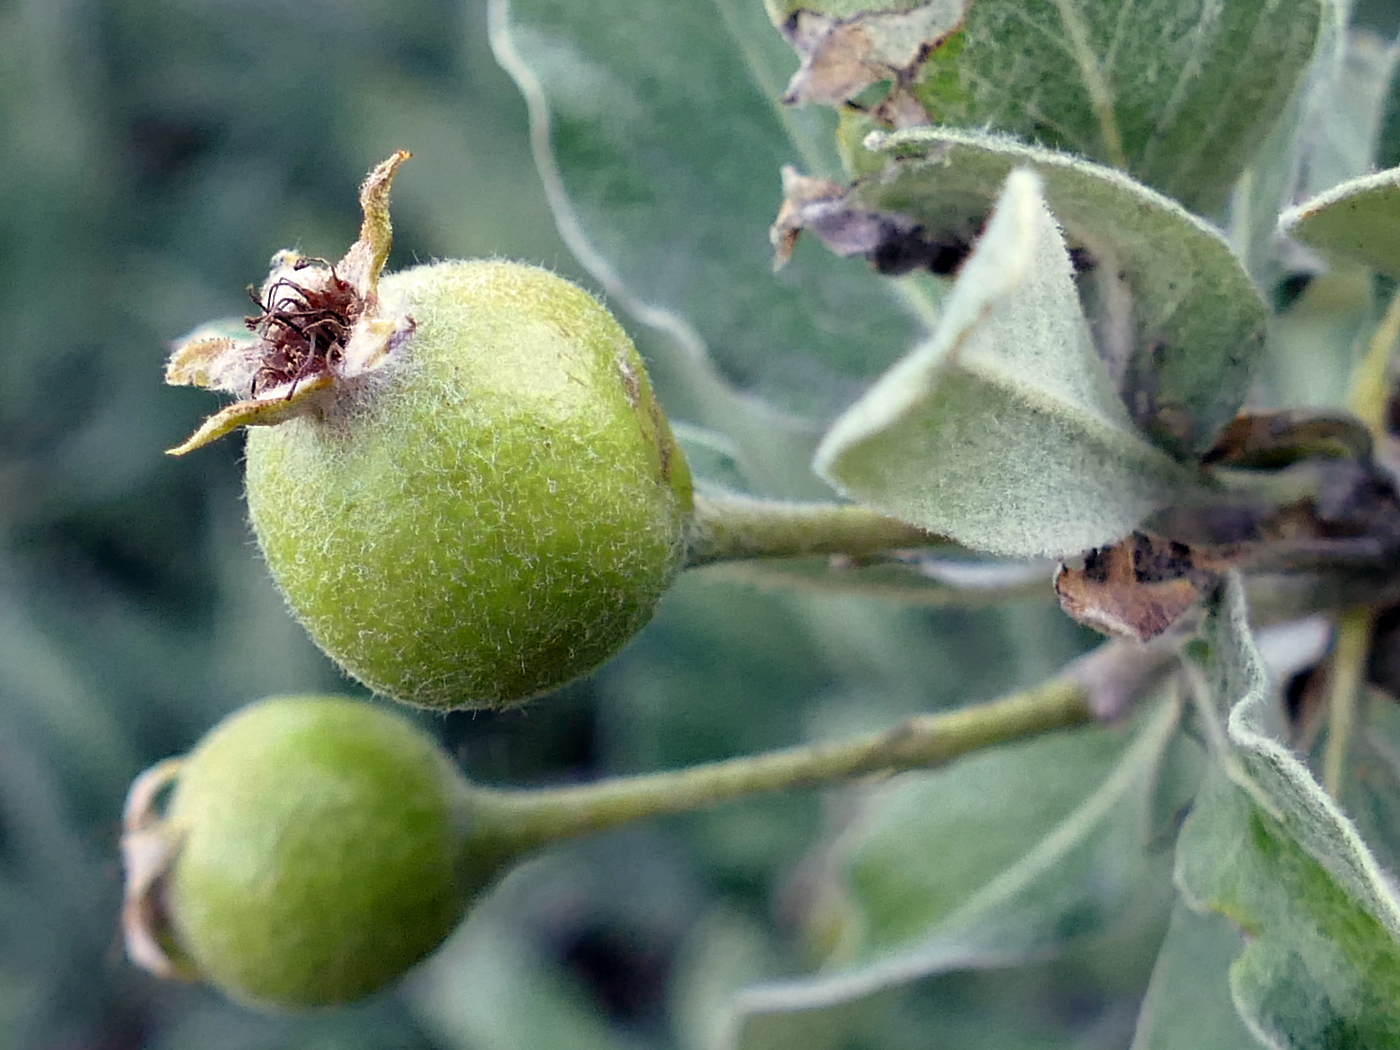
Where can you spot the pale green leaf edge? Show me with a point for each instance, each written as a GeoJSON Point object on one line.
{"type": "Point", "coordinates": [1148, 478]}
{"type": "Point", "coordinates": [1276, 779]}
{"type": "Point", "coordinates": [1192, 970]}
{"type": "Point", "coordinates": [1239, 349]}
{"type": "Point", "coordinates": [922, 143]}
{"type": "Point", "coordinates": [1311, 220]}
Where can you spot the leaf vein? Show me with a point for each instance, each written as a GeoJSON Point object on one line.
{"type": "Point", "coordinates": [1095, 83]}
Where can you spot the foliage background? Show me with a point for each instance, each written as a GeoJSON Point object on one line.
{"type": "Point", "coordinates": [154, 154]}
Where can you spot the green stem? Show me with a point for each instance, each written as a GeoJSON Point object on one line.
{"type": "Point", "coordinates": [1370, 386]}
{"type": "Point", "coordinates": [729, 526]}
{"type": "Point", "coordinates": [526, 819]}
{"type": "Point", "coordinates": [1370, 393]}
{"type": "Point", "coordinates": [1344, 694]}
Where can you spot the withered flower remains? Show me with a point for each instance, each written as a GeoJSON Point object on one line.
{"type": "Point", "coordinates": [317, 325]}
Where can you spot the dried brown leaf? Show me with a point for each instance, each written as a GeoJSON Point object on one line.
{"type": "Point", "coordinates": [1138, 587]}
{"type": "Point", "coordinates": [841, 57]}
{"type": "Point", "coordinates": [894, 243]}
{"type": "Point", "coordinates": [1273, 439]}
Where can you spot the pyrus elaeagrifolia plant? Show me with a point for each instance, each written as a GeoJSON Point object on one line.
{"type": "Point", "coordinates": [461, 479]}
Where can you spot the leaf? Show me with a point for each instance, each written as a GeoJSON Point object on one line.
{"type": "Point", "coordinates": [1179, 95]}
{"type": "Point", "coordinates": [1358, 220]}
{"type": "Point", "coordinates": [1267, 848]}
{"type": "Point", "coordinates": [1269, 771]}
{"type": "Point", "coordinates": [1274, 174]}
{"type": "Point", "coordinates": [1175, 315]}
{"type": "Point", "coordinates": [1188, 1004]}
{"type": "Point", "coordinates": [1327, 135]}
{"type": "Point", "coordinates": [1340, 139]}
{"type": "Point", "coordinates": [487, 989]}
{"type": "Point", "coordinates": [1271, 439]}
{"type": "Point", "coordinates": [712, 456]}
{"type": "Point", "coordinates": [1315, 341]}
{"type": "Point", "coordinates": [1388, 124]}
{"type": "Point", "coordinates": [1003, 431]}
{"type": "Point", "coordinates": [722, 951]}
{"type": "Point", "coordinates": [841, 57]}
{"type": "Point", "coordinates": [1372, 790]}
{"type": "Point", "coordinates": [516, 975]}
{"type": "Point", "coordinates": [995, 860]}
{"type": "Point", "coordinates": [1319, 970]}
{"type": "Point", "coordinates": [659, 138]}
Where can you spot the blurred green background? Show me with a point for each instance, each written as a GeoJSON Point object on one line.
{"type": "Point", "coordinates": [155, 154]}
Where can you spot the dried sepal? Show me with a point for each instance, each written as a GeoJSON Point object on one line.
{"type": "Point", "coordinates": [801, 195]}
{"type": "Point", "coordinates": [148, 848]}
{"type": "Point", "coordinates": [256, 412]}
{"type": "Point", "coordinates": [220, 355]}
{"type": "Point", "coordinates": [317, 324]}
{"type": "Point", "coordinates": [365, 259]}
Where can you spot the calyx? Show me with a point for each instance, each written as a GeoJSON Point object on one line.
{"type": "Point", "coordinates": [318, 326]}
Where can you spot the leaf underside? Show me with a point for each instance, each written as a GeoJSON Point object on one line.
{"type": "Point", "coordinates": [1194, 329]}
{"type": "Point", "coordinates": [1357, 220]}
{"type": "Point", "coordinates": [1267, 848]}
{"type": "Point", "coordinates": [1003, 431]}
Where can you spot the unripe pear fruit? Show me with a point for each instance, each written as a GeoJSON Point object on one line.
{"type": "Point", "coordinates": [310, 850]}
{"type": "Point", "coordinates": [468, 492]}
{"type": "Point", "coordinates": [495, 517]}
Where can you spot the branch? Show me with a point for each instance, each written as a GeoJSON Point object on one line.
{"type": "Point", "coordinates": [1074, 698]}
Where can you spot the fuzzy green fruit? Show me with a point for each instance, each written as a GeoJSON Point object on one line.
{"type": "Point", "coordinates": [310, 852]}
{"type": "Point", "coordinates": [492, 516]}
{"type": "Point", "coordinates": [459, 475]}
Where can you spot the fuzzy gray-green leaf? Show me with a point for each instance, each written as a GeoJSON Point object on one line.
{"type": "Point", "coordinates": [660, 138]}
{"type": "Point", "coordinates": [1003, 431]}
{"type": "Point", "coordinates": [1177, 316]}
{"type": "Point", "coordinates": [1180, 95]}
{"type": "Point", "coordinates": [1267, 848]}
{"type": "Point", "coordinates": [1358, 219]}
{"type": "Point", "coordinates": [1188, 1006]}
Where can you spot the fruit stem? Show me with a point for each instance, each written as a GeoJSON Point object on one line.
{"type": "Point", "coordinates": [526, 819]}
{"type": "Point", "coordinates": [1345, 694]}
{"type": "Point", "coordinates": [729, 526]}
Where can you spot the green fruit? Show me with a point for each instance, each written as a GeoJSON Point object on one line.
{"type": "Point", "coordinates": [491, 515]}
{"type": "Point", "coordinates": [459, 475]}
{"type": "Point", "coordinates": [317, 852]}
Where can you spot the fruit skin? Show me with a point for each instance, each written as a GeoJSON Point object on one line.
{"type": "Point", "coordinates": [318, 852]}
{"type": "Point", "coordinates": [494, 511]}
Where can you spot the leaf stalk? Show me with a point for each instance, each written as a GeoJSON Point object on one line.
{"type": "Point", "coordinates": [730, 526]}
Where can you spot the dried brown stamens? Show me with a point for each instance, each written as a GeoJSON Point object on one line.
{"type": "Point", "coordinates": [304, 329]}
{"type": "Point", "coordinates": [309, 334]}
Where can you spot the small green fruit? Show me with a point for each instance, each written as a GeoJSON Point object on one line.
{"type": "Point", "coordinates": [470, 495]}
{"type": "Point", "coordinates": [491, 518]}
{"type": "Point", "coordinates": [311, 851]}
